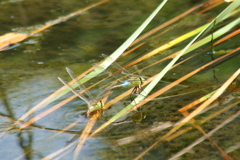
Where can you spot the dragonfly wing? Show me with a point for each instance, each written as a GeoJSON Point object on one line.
{"type": "Point", "coordinates": [106, 92]}
{"type": "Point", "coordinates": [75, 92]}
{"type": "Point", "coordinates": [104, 71]}
{"type": "Point", "coordinates": [117, 66]}
{"type": "Point", "coordinates": [124, 71]}
{"type": "Point", "coordinates": [80, 86]}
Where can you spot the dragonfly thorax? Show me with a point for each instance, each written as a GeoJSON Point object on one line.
{"type": "Point", "coordinates": [96, 106]}
{"type": "Point", "coordinates": [136, 81]}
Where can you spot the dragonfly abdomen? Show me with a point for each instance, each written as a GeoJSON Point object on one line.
{"type": "Point", "coordinates": [126, 84]}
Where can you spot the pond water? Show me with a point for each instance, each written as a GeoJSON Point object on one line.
{"type": "Point", "coordinates": [29, 71]}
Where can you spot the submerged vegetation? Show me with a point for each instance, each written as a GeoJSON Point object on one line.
{"type": "Point", "coordinates": [173, 95]}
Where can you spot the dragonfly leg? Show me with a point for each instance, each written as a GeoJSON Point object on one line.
{"type": "Point", "coordinates": [136, 90]}
{"type": "Point", "coordinates": [133, 92]}
{"type": "Point", "coordinates": [139, 90]}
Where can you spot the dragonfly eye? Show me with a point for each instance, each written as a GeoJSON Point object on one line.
{"type": "Point", "coordinates": [141, 80]}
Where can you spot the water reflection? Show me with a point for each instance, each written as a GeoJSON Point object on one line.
{"type": "Point", "coordinates": [28, 74]}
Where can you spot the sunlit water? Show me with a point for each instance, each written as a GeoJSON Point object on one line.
{"type": "Point", "coordinates": [29, 71]}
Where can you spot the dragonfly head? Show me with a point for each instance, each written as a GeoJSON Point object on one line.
{"type": "Point", "coordinates": [96, 106]}
{"type": "Point", "coordinates": [142, 80]}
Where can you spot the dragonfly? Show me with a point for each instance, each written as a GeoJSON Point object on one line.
{"type": "Point", "coordinates": [134, 81]}
{"type": "Point", "coordinates": [94, 104]}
